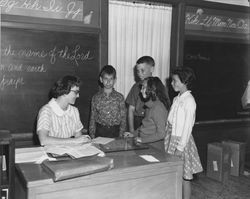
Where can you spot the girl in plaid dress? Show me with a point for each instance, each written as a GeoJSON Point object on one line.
{"type": "Point", "coordinates": [179, 140]}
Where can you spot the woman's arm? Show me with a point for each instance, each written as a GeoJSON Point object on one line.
{"type": "Point", "coordinates": [45, 139]}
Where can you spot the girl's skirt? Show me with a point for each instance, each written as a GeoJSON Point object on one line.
{"type": "Point", "coordinates": [189, 156]}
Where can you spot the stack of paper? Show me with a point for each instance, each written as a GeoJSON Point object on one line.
{"type": "Point", "coordinates": [33, 154]}
{"type": "Point", "coordinates": [75, 151]}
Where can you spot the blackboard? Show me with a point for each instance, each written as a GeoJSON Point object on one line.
{"type": "Point", "coordinates": [32, 60]}
{"type": "Point", "coordinates": [67, 12]}
{"type": "Point", "coordinates": [222, 70]}
{"type": "Point", "coordinates": [217, 21]}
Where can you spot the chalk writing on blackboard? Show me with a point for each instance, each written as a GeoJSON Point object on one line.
{"type": "Point", "coordinates": [20, 68]}
{"type": "Point", "coordinates": [58, 9]}
{"type": "Point", "coordinates": [208, 22]}
{"type": "Point", "coordinates": [197, 57]}
{"type": "Point", "coordinates": [32, 60]}
{"type": "Point", "coordinates": [15, 83]}
{"type": "Point", "coordinates": [74, 55]}
{"type": "Point", "coordinates": [13, 72]}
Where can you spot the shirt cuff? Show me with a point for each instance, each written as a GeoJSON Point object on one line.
{"type": "Point", "coordinates": [180, 148]}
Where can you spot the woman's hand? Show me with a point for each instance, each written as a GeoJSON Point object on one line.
{"type": "Point", "coordinates": [82, 139]}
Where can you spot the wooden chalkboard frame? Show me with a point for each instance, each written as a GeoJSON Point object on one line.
{"type": "Point", "coordinates": [26, 138]}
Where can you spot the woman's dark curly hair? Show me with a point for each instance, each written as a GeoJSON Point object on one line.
{"type": "Point", "coordinates": [186, 75]}
{"type": "Point", "coordinates": [155, 88]}
{"type": "Point", "coordinates": [64, 85]}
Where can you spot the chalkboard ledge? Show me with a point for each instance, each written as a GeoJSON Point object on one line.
{"type": "Point", "coordinates": [221, 123]}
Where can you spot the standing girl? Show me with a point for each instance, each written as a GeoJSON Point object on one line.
{"type": "Point", "coordinates": [152, 129]}
{"type": "Point", "coordinates": [179, 140]}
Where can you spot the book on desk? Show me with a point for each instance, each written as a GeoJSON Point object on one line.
{"type": "Point", "coordinates": [71, 168]}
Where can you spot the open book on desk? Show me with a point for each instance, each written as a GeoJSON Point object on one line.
{"type": "Point", "coordinates": [74, 151]}
{"type": "Point", "coordinates": [30, 154]}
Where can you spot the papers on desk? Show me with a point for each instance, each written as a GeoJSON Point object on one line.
{"type": "Point", "coordinates": [33, 154]}
{"type": "Point", "coordinates": [149, 158]}
{"type": "Point", "coordinates": [102, 140]}
{"type": "Point", "coordinates": [75, 151]}
{"type": "Point", "coordinates": [39, 154]}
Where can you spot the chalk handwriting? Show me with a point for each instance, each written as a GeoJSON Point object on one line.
{"type": "Point", "coordinates": [197, 57]}
{"type": "Point", "coordinates": [27, 4]}
{"type": "Point", "coordinates": [75, 55]}
{"type": "Point", "coordinates": [27, 53]}
{"type": "Point", "coordinates": [52, 7]}
{"type": "Point", "coordinates": [36, 69]}
{"type": "Point", "coordinates": [10, 82]}
{"type": "Point", "coordinates": [227, 23]}
{"type": "Point", "coordinates": [72, 10]}
{"type": "Point", "coordinates": [23, 68]}
{"type": "Point", "coordinates": [8, 5]}
{"type": "Point", "coordinates": [67, 9]}
{"type": "Point", "coordinates": [11, 67]}
{"type": "Point", "coordinates": [8, 51]}
{"type": "Point", "coordinates": [72, 54]}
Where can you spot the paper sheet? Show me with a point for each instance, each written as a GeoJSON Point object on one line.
{"type": "Point", "coordinates": [32, 154]}
{"type": "Point", "coordinates": [102, 140]}
{"type": "Point", "coordinates": [215, 165]}
{"type": "Point", "coordinates": [149, 158]}
{"type": "Point", "coordinates": [75, 151]}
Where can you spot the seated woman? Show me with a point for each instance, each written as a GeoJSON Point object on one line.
{"type": "Point", "coordinates": [157, 105]}
{"type": "Point", "coordinates": [58, 121]}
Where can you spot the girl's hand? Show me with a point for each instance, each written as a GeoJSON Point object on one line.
{"type": "Point", "coordinates": [127, 134]}
{"type": "Point", "coordinates": [178, 153]}
{"type": "Point", "coordinates": [137, 140]}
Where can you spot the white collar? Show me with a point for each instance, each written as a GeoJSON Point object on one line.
{"type": "Point", "coordinates": [184, 94]}
{"type": "Point", "coordinates": [56, 108]}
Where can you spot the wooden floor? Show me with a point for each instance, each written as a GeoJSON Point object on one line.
{"type": "Point", "coordinates": [235, 188]}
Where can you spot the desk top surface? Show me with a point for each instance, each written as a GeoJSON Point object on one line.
{"type": "Point", "coordinates": [34, 175]}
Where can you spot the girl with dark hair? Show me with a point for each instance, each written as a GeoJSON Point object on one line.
{"type": "Point", "coordinates": [58, 121]}
{"type": "Point", "coordinates": [179, 140]}
{"type": "Point", "coordinates": [157, 105]}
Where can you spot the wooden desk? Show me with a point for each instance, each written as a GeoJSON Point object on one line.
{"type": "Point", "coordinates": [132, 177]}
